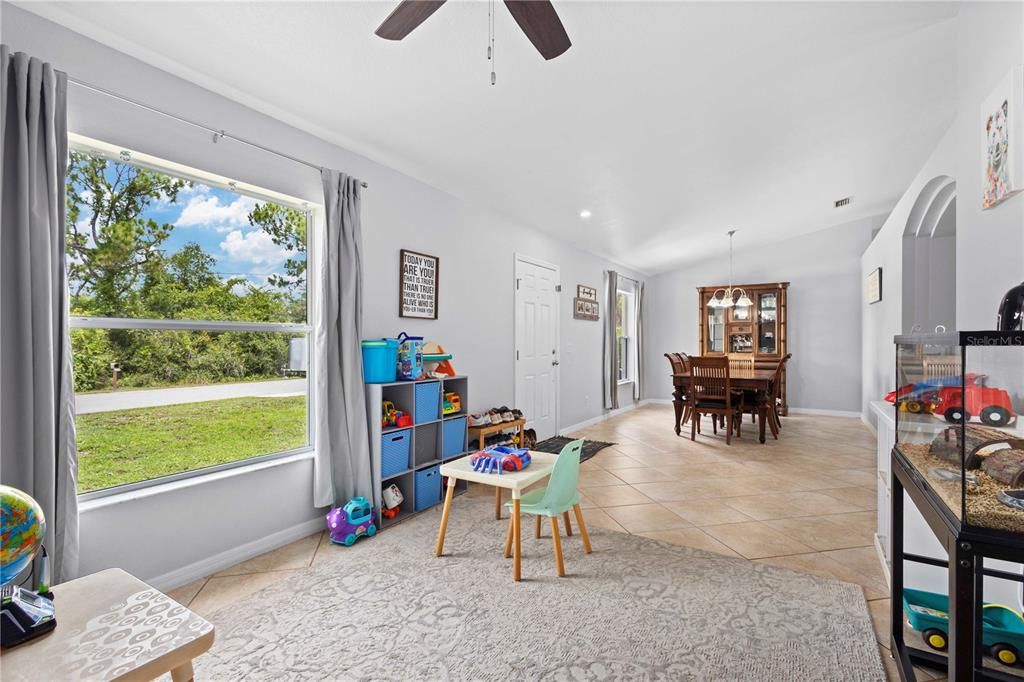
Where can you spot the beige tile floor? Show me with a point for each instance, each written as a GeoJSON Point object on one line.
{"type": "Point", "coordinates": [804, 502]}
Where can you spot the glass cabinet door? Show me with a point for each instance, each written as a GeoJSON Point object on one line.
{"type": "Point", "coordinates": [716, 330]}
{"type": "Point", "coordinates": [767, 323]}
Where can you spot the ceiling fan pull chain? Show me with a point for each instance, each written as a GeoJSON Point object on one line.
{"type": "Point", "coordinates": [491, 51]}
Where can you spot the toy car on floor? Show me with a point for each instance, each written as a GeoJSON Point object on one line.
{"type": "Point", "coordinates": [351, 522]}
{"type": "Point", "coordinates": [1002, 627]}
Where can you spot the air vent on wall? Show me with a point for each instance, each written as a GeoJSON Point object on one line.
{"type": "Point", "coordinates": [845, 201]}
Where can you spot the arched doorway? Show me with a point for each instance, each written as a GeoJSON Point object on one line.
{"type": "Point", "coordinates": [929, 258]}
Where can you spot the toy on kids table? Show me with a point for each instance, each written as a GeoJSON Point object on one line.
{"type": "Point", "coordinates": [392, 497]}
{"type": "Point", "coordinates": [351, 522]}
{"type": "Point", "coordinates": [498, 458]}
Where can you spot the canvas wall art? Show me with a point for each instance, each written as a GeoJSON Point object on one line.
{"type": "Point", "coordinates": [1002, 120]}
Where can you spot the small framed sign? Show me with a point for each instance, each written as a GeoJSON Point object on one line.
{"type": "Point", "coordinates": [417, 285]}
{"type": "Point", "coordinates": [586, 293]}
{"type": "Point", "coordinates": [873, 286]}
{"type": "Point", "coordinates": [585, 309]}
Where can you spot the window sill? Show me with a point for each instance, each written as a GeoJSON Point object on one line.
{"type": "Point", "coordinates": [623, 382]}
{"type": "Point", "coordinates": [201, 479]}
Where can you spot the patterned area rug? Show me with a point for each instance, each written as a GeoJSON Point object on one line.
{"type": "Point", "coordinates": [556, 443]}
{"type": "Point", "coordinates": [635, 609]}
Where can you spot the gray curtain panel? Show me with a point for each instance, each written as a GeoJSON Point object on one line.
{"type": "Point", "coordinates": [610, 375]}
{"type": "Point", "coordinates": [37, 426]}
{"type": "Point", "coordinates": [639, 345]}
{"type": "Point", "coordinates": [342, 464]}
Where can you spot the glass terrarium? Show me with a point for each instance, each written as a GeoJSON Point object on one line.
{"type": "Point", "coordinates": [958, 403]}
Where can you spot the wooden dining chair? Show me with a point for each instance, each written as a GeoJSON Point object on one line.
{"type": "Point", "coordinates": [741, 364]}
{"type": "Point", "coordinates": [711, 393]}
{"type": "Point", "coordinates": [681, 365]}
{"type": "Point", "coordinates": [774, 419]}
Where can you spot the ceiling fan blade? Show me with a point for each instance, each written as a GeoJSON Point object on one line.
{"type": "Point", "coordinates": [541, 25]}
{"type": "Point", "coordinates": [407, 16]}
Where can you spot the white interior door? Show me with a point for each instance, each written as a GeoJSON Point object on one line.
{"type": "Point", "coordinates": [536, 380]}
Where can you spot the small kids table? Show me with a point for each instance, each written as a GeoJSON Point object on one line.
{"type": "Point", "coordinates": [460, 469]}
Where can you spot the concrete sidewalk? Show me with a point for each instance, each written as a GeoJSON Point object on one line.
{"type": "Point", "coordinates": [127, 400]}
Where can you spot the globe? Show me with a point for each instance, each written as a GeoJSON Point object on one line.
{"type": "Point", "coordinates": [22, 527]}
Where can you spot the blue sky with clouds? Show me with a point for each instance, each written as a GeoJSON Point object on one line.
{"type": "Point", "coordinates": [217, 220]}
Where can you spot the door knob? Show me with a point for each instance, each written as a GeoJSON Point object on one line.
{"type": "Point", "coordinates": [554, 363]}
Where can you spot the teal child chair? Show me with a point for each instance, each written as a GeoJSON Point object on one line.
{"type": "Point", "coordinates": [554, 500]}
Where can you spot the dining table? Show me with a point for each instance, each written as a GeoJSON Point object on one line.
{"type": "Point", "coordinates": [758, 381]}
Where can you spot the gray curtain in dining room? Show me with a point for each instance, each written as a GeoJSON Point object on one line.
{"type": "Point", "coordinates": [342, 462]}
{"type": "Point", "coordinates": [638, 347]}
{"type": "Point", "coordinates": [610, 374]}
{"type": "Point", "coordinates": [37, 426]}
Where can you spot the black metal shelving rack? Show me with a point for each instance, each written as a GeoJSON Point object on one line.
{"type": "Point", "coordinates": [967, 548]}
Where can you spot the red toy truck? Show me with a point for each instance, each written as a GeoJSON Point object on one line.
{"type": "Point", "coordinates": [991, 405]}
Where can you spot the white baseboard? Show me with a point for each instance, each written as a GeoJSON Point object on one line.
{"type": "Point", "coordinates": [656, 401]}
{"type": "Point", "coordinates": [882, 560]}
{"type": "Point", "coordinates": [230, 557]}
{"type": "Point", "coordinates": [608, 414]}
{"type": "Point", "coordinates": [867, 423]}
{"type": "Point", "coordinates": [825, 413]}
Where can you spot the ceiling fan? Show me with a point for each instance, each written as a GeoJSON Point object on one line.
{"type": "Point", "coordinates": [537, 19]}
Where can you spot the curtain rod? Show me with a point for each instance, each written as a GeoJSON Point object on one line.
{"type": "Point", "coordinates": [217, 134]}
{"type": "Point", "coordinates": [634, 281]}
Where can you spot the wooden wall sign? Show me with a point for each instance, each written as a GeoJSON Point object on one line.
{"type": "Point", "coordinates": [417, 285]}
{"type": "Point", "coordinates": [873, 286]}
{"type": "Point", "coordinates": [585, 309]}
{"type": "Point", "coordinates": [586, 293]}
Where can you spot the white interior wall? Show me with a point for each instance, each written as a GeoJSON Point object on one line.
{"type": "Point", "coordinates": [241, 515]}
{"type": "Point", "coordinates": [989, 244]}
{"type": "Point", "coordinates": [823, 312]}
{"type": "Point", "coordinates": [883, 320]}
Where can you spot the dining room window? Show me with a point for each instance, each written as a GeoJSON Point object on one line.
{"type": "Point", "coordinates": [625, 332]}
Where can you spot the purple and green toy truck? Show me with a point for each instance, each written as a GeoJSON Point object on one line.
{"type": "Point", "coordinates": [349, 523]}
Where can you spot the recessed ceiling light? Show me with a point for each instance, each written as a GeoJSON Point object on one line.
{"type": "Point", "coordinates": [585, 214]}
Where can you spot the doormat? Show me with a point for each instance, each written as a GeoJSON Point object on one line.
{"type": "Point", "coordinates": [555, 445]}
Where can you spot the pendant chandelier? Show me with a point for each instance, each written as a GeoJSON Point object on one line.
{"type": "Point", "coordinates": [732, 295]}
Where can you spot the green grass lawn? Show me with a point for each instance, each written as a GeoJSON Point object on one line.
{"type": "Point", "coordinates": [127, 446]}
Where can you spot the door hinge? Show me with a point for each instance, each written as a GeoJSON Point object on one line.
{"type": "Point", "coordinates": [517, 283]}
{"type": "Point", "coordinates": [558, 287]}
{"type": "Point", "coordinates": [517, 355]}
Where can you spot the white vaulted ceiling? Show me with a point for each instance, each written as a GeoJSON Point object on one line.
{"type": "Point", "coordinates": [671, 122]}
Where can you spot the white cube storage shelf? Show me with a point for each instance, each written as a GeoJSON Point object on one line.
{"type": "Point", "coordinates": [406, 456]}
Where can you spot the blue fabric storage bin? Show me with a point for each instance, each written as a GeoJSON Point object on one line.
{"type": "Point", "coordinates": [394, 452]}
{"type": "Point", "coordinates": [428, 488]}
{"type": "Point", "coordinates": [428, 402]}
{"type": "Point", "coordinates": [453, 437]}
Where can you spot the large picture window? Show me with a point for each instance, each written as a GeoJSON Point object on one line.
{"type": "Point", "coordinates": [189, 319]}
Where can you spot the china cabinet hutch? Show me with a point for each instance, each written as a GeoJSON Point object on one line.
{"type": "Point", "coordinates": [756, 332]}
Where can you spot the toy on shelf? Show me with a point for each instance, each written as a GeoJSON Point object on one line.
{"type": "Point", "coordinates": [944, 396]}
{"type": "Point", "coordinates": [495, 459]}
{"type": "Point", "coordinates": [392, 498]}
{"type": "Point", "coordinates": [1002, 627]}
{"type": "Point", "coordinates": [452, 403]}
{"type": "Point", "coordinates": [441, 361]}
{"type": "Point", "coordinates": [351, 522]}
{"type": "Point", "coordinates": [410, 357]}
{"type": "Point", "coordinates": [392, 416]}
